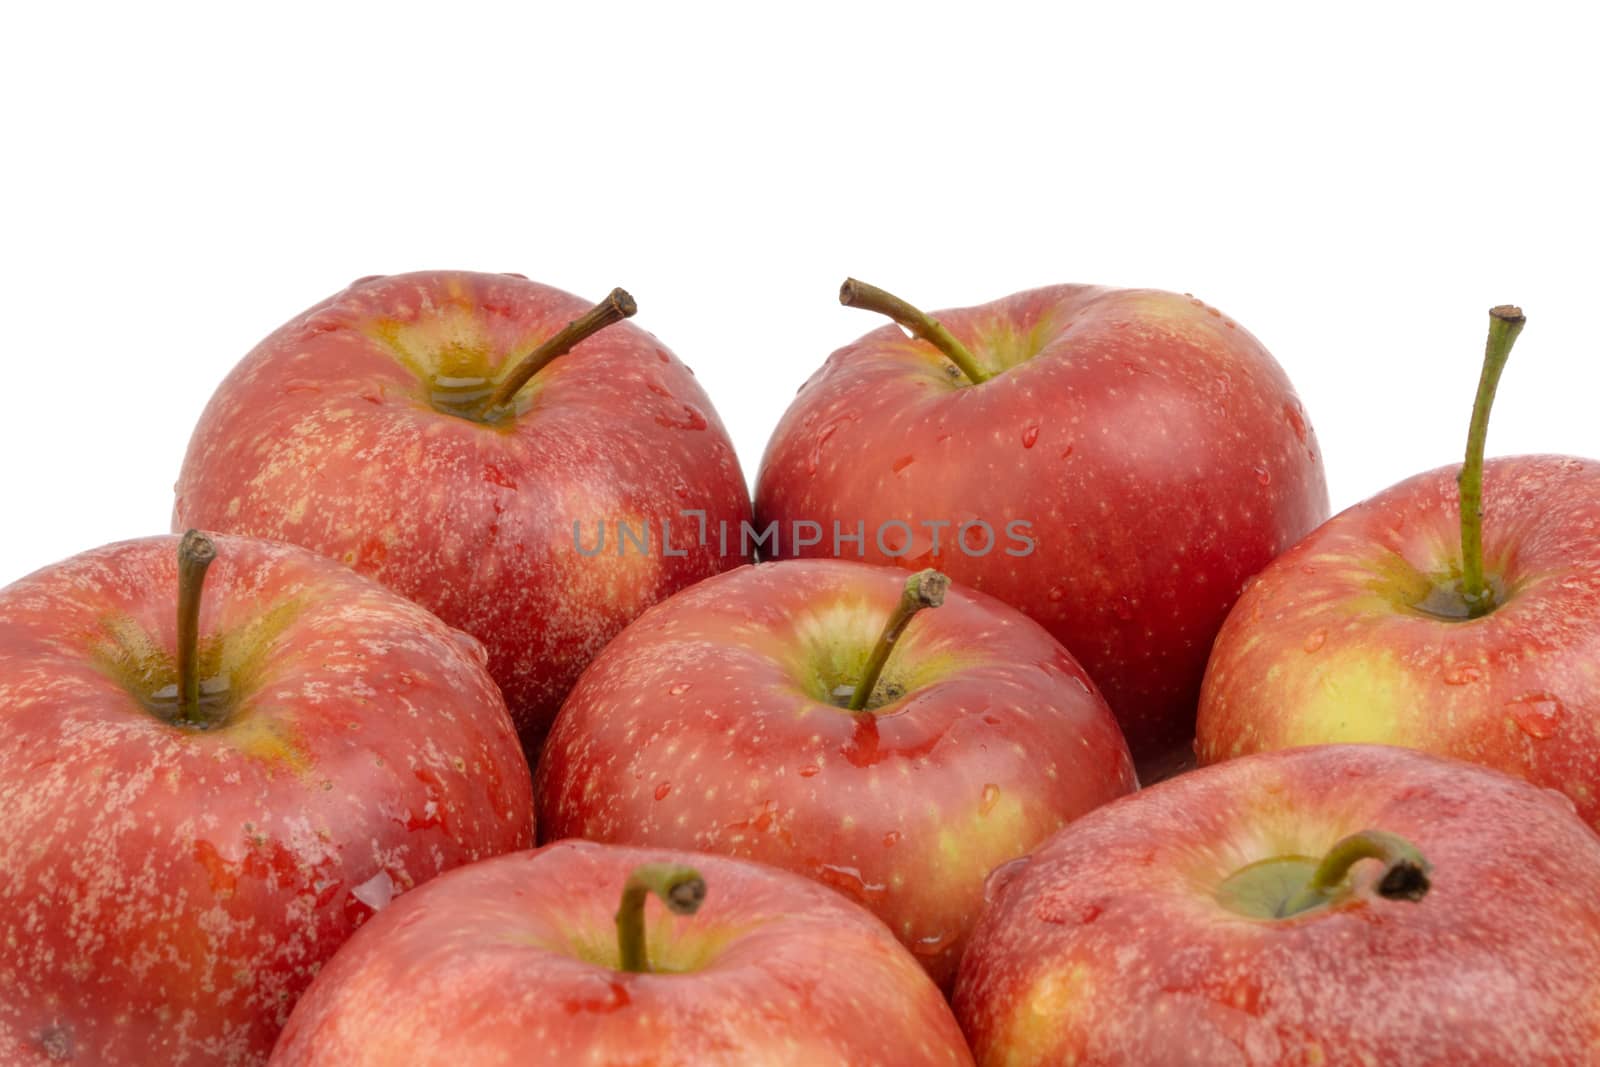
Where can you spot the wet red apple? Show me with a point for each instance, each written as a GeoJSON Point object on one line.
{"type": "Point", "coordinates": [532, 470]}
{"type": "Point", "coordinates": [204, 795]}
{"type": "Point", "coordinates": [826, 717]}
{"type": "Point", "coordinates": [1457, 612]}
{"type": "Point", "coordinates": [529, 959]}
{"type": "Point", "coordinates": [1352, 904]}
{"type": "Point", "coordinates": [1115, 463]}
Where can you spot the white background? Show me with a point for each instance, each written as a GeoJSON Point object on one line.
{"type": "Point", "coordinates": [1354, 183]}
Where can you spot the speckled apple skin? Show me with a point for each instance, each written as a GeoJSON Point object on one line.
{"type": "Point", "coordinates": [511, 961]}
{"type": "Point", "coordinates": [1156, 448]}
{"type": "Point", "coordinates": [1109, 947]}
{"type": "Point", "coordinates": [324, 437]}
{"type": "Point", "coordinates": [703, 727]}
{"type": "Point", "coordinates": [1323, 647]}
{"type": "Point", "coordinates": [166, 894]}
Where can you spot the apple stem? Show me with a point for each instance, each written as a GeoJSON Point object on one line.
{"type": "Point", "coordinates": [1505, 323]}
{"type": "Point", "coordinates": [613, 309]}
{"type": "Point", "coordinates": [924, 589]}
{"type": "Point", "coordinates": [196, 552]}
{"type": "Point", "coordinates": [870, 298]}
{"type": "Point", "coordinates": [1405, 875]}
{"type": "Point", "coordinates": [680, 888]}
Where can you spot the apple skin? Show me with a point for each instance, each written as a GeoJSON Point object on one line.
{"type": "Point", "coordinates": [168, 893]}
{"type": "Point", "coordinates": [1157, 449]}
{"type": "Point", "coordinates": [1109, 947]}
{"type": "Point", "coordinates": [325, 437]}
{"type": "Point", "coordinates": [1324, 646]}
{"type": "Point", "coordinates": [705, 726]}
{"type": "Point", "coordinates": [513, 961]}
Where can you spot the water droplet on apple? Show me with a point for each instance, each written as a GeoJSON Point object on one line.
{"type": "Point", "coordinates": [809, 770]}
{"type": "Point", "coordinates": [902, 463]}
{"type": "Point", "coordinates": [1002, 876]}
{"type": "Point", "coordinates": [1538, 715]}
{"type": "Point", "coordinates": [662, 790]}
{"type": "Point", "coordinates": [1056, 593]}
{"type": "Point", "coordinates": [1030, 436]}
{"type": "Point", "coordinates": [690, 418]}
{"type": "Point", "coordinates": [891, 839]}
{"type": "Point", "coordinates": [376, 892]}
{"type": "Point", "coordinates": [1297, 420]}
{"type": "Point", "coordinates": [933, 944]}
{"type": "Point", "coordinates": [473, 647]}
{"type": "Point", "coordinates": [1462, 676]}
{"type": "Point", "coordinates": [678, 690]}
{"type": "Point", "coordinates": [1263, 475]}
{"type": "Point", "coordinates": [990, 797]}
{"type": "Point", "coordinates": [849, 881]}
{"type": "Point", "coordinates": [1315, 639]}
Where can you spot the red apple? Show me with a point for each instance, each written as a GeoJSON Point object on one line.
{"type": "Point", "coordinates": [1134, 456]}
{"type": "Point", "coordinates": [715, 722]}
{"type": "Point", "coordinates": [204, 798]}
{"type": "Point", "coordinates": [385, 428]}
{"type": "Point", "coordinates": [1365, 631]}
{"type": "Point", "coordinates": [520, 960]}
{"type": "Point", "coordinates": [1230, 916]}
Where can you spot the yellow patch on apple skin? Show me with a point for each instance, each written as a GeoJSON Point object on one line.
{"type": "Point", "coordinates": [266, 738]}
{"type": "Point", "coordinates": [1351, 695]}
{"type": "Point", "coordinates": [995, 830]}
{"type": "Point", "coordinates": [831, 643]}
{"type": "Point", "coordinates": [1034, 1031]}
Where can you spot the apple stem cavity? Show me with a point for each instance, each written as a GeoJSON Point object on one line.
{"type": "Point", "coordinates": [870, 298]}
{"type": "Point", "coordinates": [680, 888]}
{"type": "Point", "coordinates": [924, 589]}
{"type": "Point", "coordinates": [1505, 323]}
{"type": "Point", "coordinates": [610, 311]}
{"type": "Point", "coordinates": [1405, 875]}
{"type": "Point", "coordinates": [196, 553]}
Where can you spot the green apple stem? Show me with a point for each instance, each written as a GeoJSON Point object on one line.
{"type": "Point", "coordinates": [613, 309]}
{"type": "Point", "coordinates": [1505, 323]}
{"type": "Point", "coordinates": [924, 589]}
{"type": "Point", "coordinates": [680, 888]}
{"type": "Point", "coordinates": [1405, 875]}
{"type": "Point", "coordinates": [870, 298]}
{"type": "Point", "coordinates": [196, 552]}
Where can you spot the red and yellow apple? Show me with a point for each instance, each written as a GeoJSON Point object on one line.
{"type": "Point", "coordinates": [433, 431]}
{"type": "Point", "coordinates": [1368, 630]}
{"type": "Point", "coordinates": [520, 959]}
{"type": "Point", "coordinates": [201, 805]}
{"type": "Point", "coordinates": [1346, 637]}
{"type": "Point", "coordinates": [721, 721]}
{"type": "Point", "coordinates": [1116, 463]}
{"type": "Point", "coordinates": [1353, 904]}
